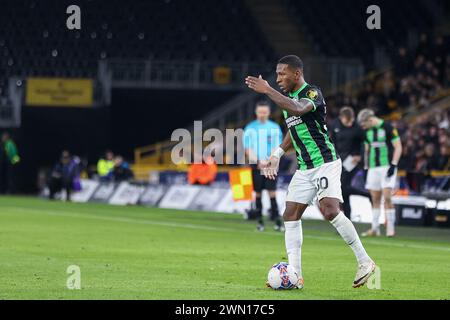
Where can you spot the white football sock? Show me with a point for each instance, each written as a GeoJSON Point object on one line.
{"type": "Point", "coordinates": [376, 219]}
{"type": "Point", "coordinates": [390, 222]}
{"type": "Point", "coordinates": [348, 232]}
{"type": "Point", "coordinates": [293, 237]}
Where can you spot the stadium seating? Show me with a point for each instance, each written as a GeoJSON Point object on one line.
{"type": "Point", "coordinates": [341, 31]}
{"type": "Point", "coordinates": [34, 43]}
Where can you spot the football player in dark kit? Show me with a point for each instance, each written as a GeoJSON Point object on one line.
{"type": "Point", "coordinates": [319, 167]}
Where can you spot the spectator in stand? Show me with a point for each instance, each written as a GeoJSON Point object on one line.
{"type": "Point", "coordinates": [432, 136]}
{"type": "Point", "coordinates": [447, 72]}
{"type": "Point", "coordinates": [423, 47]}
{"type": "Point", "coordinates": [408, 159]}
{"type": "Point", "coordinates": [443, 137]}
{"type": "Point", "coordinates": [121, 171]}
{"type": "Point", "coordinates": [402, 62]}
{"type": "Point", "coordinates": [426, 143]}
{"type": "Point", "coordinates": [413, 81]}
{"type": "Point", "coordinates": [63, 175]}
{"type": "Point", "coordinates": [431, 157]}
{"type": "Point", "coordinates": [439, 55]}
{"type": "Point", "coordinates": [444, 158]}
{"type": "Point", "coordinates": [105, 166]}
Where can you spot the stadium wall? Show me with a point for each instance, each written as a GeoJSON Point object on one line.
{"type": "Point", "coordinates": [410, 210]}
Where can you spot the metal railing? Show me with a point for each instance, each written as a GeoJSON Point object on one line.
{"type": "Point", "coordinates": [329, 73]}
{"type": "Point", "coordinates": [181, 74]}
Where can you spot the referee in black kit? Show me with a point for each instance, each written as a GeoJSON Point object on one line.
{"type": "Point", "coordinates": [348, 138]}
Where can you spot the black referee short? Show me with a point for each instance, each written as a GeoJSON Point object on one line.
{"type": "Point", "coordinates": [260, 182]}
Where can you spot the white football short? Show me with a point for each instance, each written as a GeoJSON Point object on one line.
{"type": "Point", "coordinates": [321, 182]}
{"type": "Point", "coordinates": [377, 179]}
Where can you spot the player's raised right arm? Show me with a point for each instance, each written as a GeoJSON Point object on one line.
{"type": "Point", "coordinates": [295, 108]}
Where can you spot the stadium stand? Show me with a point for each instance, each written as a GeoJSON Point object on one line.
{"type": "Point", "coordinates": [416, 78]}
{"type": "Point", "coordinates": [34, 43]}
{"type": "Point", "coordinates": [333, 32]}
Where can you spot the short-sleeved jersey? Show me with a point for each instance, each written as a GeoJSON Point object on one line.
{"type": "Point", "coordinates": [309, 132]}
{"type": "Point", "coordinates": [380, 140]}
{"type": "Point", "coordinates": [262, 138]}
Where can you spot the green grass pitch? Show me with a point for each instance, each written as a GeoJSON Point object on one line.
{"type": "Point", "coordinates": [147, 253]}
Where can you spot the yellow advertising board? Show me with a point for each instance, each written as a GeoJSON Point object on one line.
{"type": "Point", "coordinates": [222, 75]}
{"type": "Point", "coordinates": [59, 92]}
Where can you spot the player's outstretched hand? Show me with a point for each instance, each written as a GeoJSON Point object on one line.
{"type": "Point", "coordinates": [270, 168]}
{"type": "Point", "coordinates": [257, 84]}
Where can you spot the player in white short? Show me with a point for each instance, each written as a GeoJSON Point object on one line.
{"type": "Point", "coordinates": [383, 150]}
{"type": "Point", "coordinates": [319, 183]}
{"type": "Point", "coordinates": [319, 167]}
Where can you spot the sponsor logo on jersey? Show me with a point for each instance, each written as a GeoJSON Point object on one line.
{"type": "Point", "coordinates": [378, 144]}
{"type": "Point", "coordinates": [293, 121]}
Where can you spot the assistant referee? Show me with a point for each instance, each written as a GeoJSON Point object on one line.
{"type": "Point", "coordinates": [261, 137]}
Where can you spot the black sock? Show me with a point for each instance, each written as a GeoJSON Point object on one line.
{"type": "Point", "coordinates": [259, 209]}
{"type": "Point", "coordinates": [274, 209]}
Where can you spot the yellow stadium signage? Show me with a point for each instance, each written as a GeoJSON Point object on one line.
{"type": "Point", "coordinates": [59, 92]}
{"type": "Point", "coordinates": [222, 75]}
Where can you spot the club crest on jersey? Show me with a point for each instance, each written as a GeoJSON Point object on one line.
{"type": "Point", "coordinates": [395, 132]}
{"type": "Point", "coordinates": [312, 94]}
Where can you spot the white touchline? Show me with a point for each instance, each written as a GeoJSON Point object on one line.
{"type": "Point", "coordinates": [209, 228]}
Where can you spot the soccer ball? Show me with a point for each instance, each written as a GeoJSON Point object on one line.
{"type": "Point", "coordinates": [282, 276]}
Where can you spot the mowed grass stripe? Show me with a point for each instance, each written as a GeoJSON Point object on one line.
{"type": "Point", "coordinates": [216, 256]}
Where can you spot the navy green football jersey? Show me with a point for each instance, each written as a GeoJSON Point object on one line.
{"type": "Point", "coordinates": [380, 140]}
{"type": "Point", "coordinates": [309, 133]}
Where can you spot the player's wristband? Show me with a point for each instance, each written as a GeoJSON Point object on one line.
{"type": "Point", "coordinates": [279, 152]}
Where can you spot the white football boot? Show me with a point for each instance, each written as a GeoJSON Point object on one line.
{"type": "Point", "coordinates": [390, 230]}
{"type": "Point", "coordinates": [363, 273]}
{"type": "Point", "coordinates": [300, 283]}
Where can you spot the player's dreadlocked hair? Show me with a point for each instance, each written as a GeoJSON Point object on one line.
{"type": "Point", "coordinates": [292, 61]}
